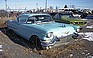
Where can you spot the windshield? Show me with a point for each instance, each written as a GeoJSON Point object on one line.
{"type": "Point", "coordinates": [40, 18]}
{"type": "Point", "coordinates": [67, 16]}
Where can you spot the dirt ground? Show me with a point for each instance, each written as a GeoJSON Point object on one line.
{"type": "Point", "coordinates": [14, 46]}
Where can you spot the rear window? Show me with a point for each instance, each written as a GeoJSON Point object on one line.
{"type": "Point", "coordinates": [22, 19]}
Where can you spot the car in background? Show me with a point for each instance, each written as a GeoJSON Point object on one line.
{"type": "Point", "coordinates": [68, 18]}
{"type": "Point", "coordinates": [41, 29]}
{"type": "Point", "coordinates": [79, 14]}
{"type": "Point", "coordinates": [88, 17]}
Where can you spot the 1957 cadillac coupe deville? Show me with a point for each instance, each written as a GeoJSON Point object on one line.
{"type": "Point", "coordinates": [41, 30]}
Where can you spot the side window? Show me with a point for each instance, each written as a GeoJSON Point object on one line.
{"type": "Point", "coordinates": [22, 19]}
{"type": "Point", "coordinates": [31, 20]}
{"type": "Point", "coordinates": [57, 16]}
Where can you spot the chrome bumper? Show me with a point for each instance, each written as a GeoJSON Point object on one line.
{"type": "Point", "coordinates": [57, 40]}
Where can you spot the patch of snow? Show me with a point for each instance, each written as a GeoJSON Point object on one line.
{"type": "Point", "coordinates": [90, 56]}
{"type": "Point", "coordinates": [87, 54]}
{"type": "Point", "coordinates": [1, 48]}
{"type": "Point", "coordinates": [85, 50]}
{"type": "Point", "coordinates": [87, 35]}
{"type": "Point", "coordinates": [71, 55]}
{"type": "Point", "coordinates": [83, 53]}
{"type": "Point", "coordinates": [89, 26]}
{"type": "Point", "coordinates": [84, 19]}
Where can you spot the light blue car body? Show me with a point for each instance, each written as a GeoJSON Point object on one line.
{"type": "Point", "coordinates": [41, 30]}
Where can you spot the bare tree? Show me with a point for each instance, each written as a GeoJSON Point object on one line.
{"type": "Point", "coordinates": [3, 13]}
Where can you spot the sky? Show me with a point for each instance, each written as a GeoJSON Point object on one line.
{"type": "Point", "coordinates": [33, 4]}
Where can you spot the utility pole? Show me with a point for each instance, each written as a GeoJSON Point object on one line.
{"type": "Point", "coordinates": [6, 4]}
{"type": "Point", "coordinates": [25, 9]}
{"type": "Point", "coordinates": [37, 6]}
{"type": "Point", "coordinates": [6, 8]}
{"type": "Point", "coordinates": [46, 6]}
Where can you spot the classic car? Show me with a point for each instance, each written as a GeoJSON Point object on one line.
{"type": "Point", "coordinates": [69, 19]}
{"type": "Point", "coordinates": [41, 29]}
{"type": "Point", "coordinates": [88, 17]}
{"type": "Point", "coordinates": [79, 14]}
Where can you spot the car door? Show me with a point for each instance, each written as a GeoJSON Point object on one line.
{"type": "Point", "coordinates": [20, 28]}
{"type": "Point", "coordinates": [28, 27]}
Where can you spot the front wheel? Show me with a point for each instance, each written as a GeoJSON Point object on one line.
{"type": "Point", "coordinates": [75, 36]}
{"type": "Point", "coordinates": [36, 42]}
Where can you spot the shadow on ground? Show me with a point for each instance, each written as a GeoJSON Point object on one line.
{"type": "Point", "coordinates": [17, 39]}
